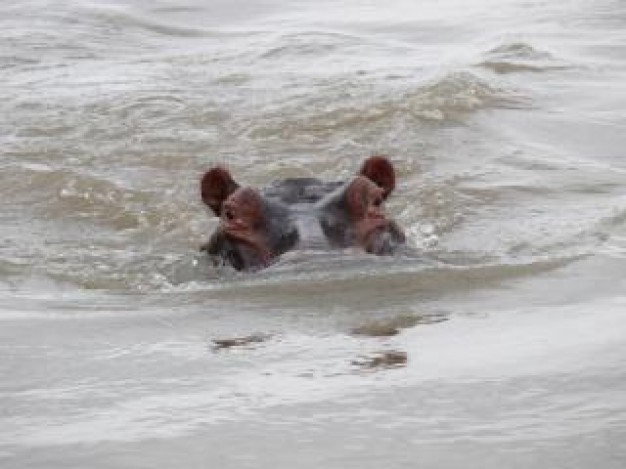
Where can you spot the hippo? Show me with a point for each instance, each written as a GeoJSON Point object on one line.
{"type": "Point", "coordinates": [257, 226]}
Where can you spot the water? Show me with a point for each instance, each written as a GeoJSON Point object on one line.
{"type": "Point", "coordinates": [500, 343]}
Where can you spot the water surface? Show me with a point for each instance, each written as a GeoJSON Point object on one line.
{"type": "Point", "coordinates": [500, 343]}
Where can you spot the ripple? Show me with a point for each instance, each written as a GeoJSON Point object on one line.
{"type": "Point", "coordinates": [312, 43]}
{"type": "Point", "coordinates": [126, 17]}
{"type": "Point", "coordinates": [358, 281]}
{"type": "Point", "coordinates": [360, 108]}
{"type": "Point", "coordinates": [521, 57]}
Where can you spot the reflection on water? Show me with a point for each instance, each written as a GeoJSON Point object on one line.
{"type": "Point", "coordinates": [495, 340]}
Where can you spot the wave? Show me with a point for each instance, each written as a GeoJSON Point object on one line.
{"type": "Point", "coordinates": [306, 44]}
{"type": "Point", "coordinates": [121, 17]}
{"type": "Point", "coordinates": [96, 231]}
{"type": "Point", "coordinates": [357, 107]}
{"type": "Point", "coordinates": [521, 57]}
{"type": "Point", "coordinates": [90, 230]}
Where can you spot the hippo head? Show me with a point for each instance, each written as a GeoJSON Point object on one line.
{"type": "Point", "coordinates": [257, 226]}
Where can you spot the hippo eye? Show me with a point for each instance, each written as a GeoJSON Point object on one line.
{"type": "Point", "coordinates": [229, 214]}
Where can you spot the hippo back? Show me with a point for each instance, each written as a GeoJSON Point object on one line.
{"type": "Point", "coordinates": [300, 190]}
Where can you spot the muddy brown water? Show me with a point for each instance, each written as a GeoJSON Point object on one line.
{"type": "Point", "coordinates": [499, 342]}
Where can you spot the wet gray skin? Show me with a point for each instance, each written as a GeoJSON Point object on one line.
{"type": "Point", "coordinates": [498, 341]}
{"type": "Point", "coordinates": [303, 214]}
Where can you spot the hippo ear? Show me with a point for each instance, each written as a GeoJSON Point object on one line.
{"type": "Point", "coordinates": [379, 170]}
{"type": "Point", "coordinates": [215, 187]}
